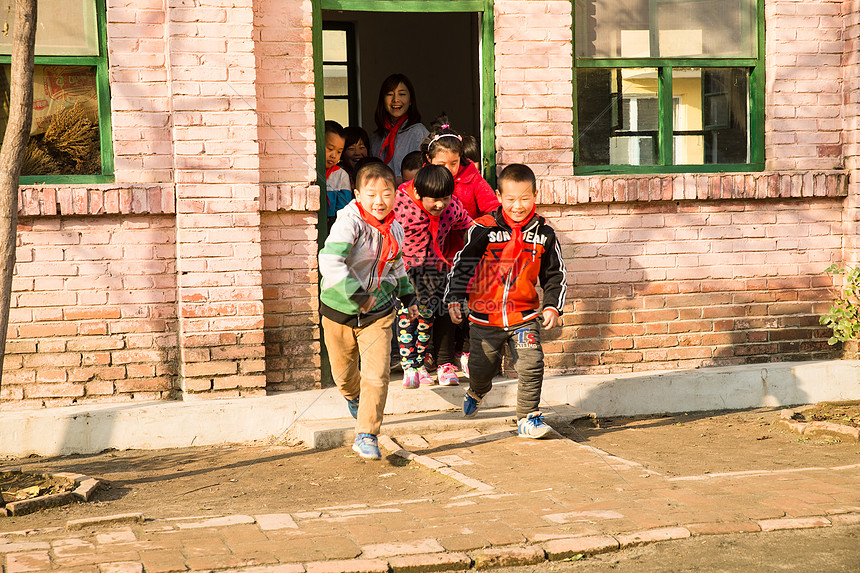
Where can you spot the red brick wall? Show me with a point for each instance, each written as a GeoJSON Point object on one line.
{"type": "Point", "coordinates": [684, 284]}
{"type": "Point", "coordinates": [803, 125]}
{"type": "Point", "coordinates": [291, 307]}
{"type": "Point", "coordinates": [93, 315]}
{"type": "Point", "coordinates": [195, 273]}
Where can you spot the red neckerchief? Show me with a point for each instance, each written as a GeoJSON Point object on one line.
{"type": "Point", "coordinates": [331, 170]}
{"type": "Point", "coordinates": [512, 251]}
{"type": "Point", "coordinates": [434, 226]}
{"type": "Point", "coordinates": [389, 243]}
{"type": "Point", "coordinates": [387, 149]}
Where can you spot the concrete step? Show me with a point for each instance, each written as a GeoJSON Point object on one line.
{"type": "Point", "coordinates": [326, 434]}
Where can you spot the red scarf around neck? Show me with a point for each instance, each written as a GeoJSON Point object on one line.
{"type": "Point", "coordinates": [387, 150]}
{"type": "Point", "coordinates": [434, 225]}
{"type": "Point", "coordinates": [389, 243]}
{"type": "Point", "coordinates": [331, 170]}
{"type": "Point", "coordinates": [514, 248]}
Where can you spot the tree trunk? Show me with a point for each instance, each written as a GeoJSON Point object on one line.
{"type": "Point", "coordinates": [12, 152]}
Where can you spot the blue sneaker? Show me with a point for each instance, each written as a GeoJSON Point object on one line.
{"type": "Point", "coordinates": [471, 402]}
{"type": "Point", "coordinates": [532, 426]}
{"type": "Point", "coordinates": [353, 407]}
{"type": "Point", "coordinates": [367, 447]}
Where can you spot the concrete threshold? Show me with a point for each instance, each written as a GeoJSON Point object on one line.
{"type": "Point", "coordinates": [91, 428]}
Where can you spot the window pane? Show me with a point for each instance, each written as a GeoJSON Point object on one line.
{"type": "Point", "coordinates": [65, 28]}
{"type": "Point", "coordinates": [618, 116]}
{"type": "Point", "coordinates": [64, 137]}
{"type": "Point", "coordinates": [712, 119]}
{"type": "Point", "coordinates": [335, 80]}
{"type": "Point", "coordinates": [665, 28]}
{"type": "Point", "coordinates": [334, 46]}
{"type": "Point", "coordinates": [337, 110]}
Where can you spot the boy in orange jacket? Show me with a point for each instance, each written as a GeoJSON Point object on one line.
{"type": "Point", "coordinates": [506, 254]}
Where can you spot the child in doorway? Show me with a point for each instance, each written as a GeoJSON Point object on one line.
{"type": "Point", "coordinates": [355, 148]}
{"type": "Point", "coordinates": [444, 146]}
{"type": "Point", "coordinates": [410, 165]}
{"type": "Point", "coordinates": [337, 185]}
{"type": "Point", "coordinates": [362, 271]}
{"type": "Point", "coordinates": [506, 254]}
{"type": "Point", "coordinates": [428, 212]}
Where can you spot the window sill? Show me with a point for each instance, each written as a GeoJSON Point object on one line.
{"type": "Point", "coordinates": [95, 199]}
{"type": "Point", "coordinates": [581, 189]}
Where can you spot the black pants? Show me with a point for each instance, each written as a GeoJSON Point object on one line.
{"type": "Point", "coordinates": [449, 339]}
{"type": "Point", "coordinates": [523, 342]}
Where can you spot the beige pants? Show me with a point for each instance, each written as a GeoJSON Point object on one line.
{"type": "Point", "coordinates": [372, 344]}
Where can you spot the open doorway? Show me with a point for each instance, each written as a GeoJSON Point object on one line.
{"type": "Point", "coordinates": [439, 52]}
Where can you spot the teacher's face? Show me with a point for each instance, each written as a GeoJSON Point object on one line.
{"type": "Point", "coordinates": [397, 102]}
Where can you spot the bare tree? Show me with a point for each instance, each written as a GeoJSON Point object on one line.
{"type": "Point", "coordinates": [12, 152]}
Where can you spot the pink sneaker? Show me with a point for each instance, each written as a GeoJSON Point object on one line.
{"type": "Point", "coordinates": [463, 359]}
{"type": "Point", "coordinates": [447, 375]}
{"type": "Point", "coordinates": [424, 378]}
{"type": "Point", "coordinates": [410, 378]}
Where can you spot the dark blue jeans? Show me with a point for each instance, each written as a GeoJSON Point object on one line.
{"type": "Point", "coordinates": [523, 342]}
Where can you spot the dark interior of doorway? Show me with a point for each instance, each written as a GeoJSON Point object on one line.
{"type": "Point", "coordinates": [439, 52]}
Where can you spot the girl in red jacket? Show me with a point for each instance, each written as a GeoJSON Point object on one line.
{"type": "Point", "coordinates": [444, 146]}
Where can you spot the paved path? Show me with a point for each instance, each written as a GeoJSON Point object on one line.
{"type": "Point", "coordinates": [522, 502]}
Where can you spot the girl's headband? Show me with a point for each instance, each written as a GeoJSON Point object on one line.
{"type": "Point", "coordinates": [441, 135]}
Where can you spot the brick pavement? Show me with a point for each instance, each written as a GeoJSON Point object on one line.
{"type": "Point", "coordinates": [522, 502]}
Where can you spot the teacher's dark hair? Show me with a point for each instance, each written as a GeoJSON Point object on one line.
{"type": "Point", "coordinates": [388, 85]}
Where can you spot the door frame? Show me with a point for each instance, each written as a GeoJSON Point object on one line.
{"type": "Point", "coordinates": [486, 47]}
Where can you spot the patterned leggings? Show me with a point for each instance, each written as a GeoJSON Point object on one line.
{"type": "Point", "coordinates": [414, 336]}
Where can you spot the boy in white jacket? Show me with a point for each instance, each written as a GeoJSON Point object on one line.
{"type": "Point", "coordinates": [362, 272]}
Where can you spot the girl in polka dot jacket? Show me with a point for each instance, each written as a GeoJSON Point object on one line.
{"type": "Point", "coordinates": [428, 213]}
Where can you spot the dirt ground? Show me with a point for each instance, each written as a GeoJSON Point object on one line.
{"type": "Point", "coordinates": [253, 478]}
{"type": "Point", "coordinates": [713, 442]}
{"type": "Point", "coordinates": [845, 413]}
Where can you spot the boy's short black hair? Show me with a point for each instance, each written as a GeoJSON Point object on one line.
{"type": "Point", "coordinates": [434, 181]}
{"type": "Point", "coordinates": [335, 128]}
{"type": "Point", "coordinates": [519, 173]}
{"type": "Point", "coordinates": [412, 161]}
{"type": "Point", "coordinates": [370, 170]}
{"type": "Point", "coordinates": [365, 160]}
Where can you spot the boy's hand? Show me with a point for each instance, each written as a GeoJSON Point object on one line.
{"type": "Point", "coordinates": [413, 312]}
{"type": "Point", "coordinates": [455, 313]}
{"type": "Point", "coordinates": [368, 305]}
{"type": "Point", "coordinates": [550, 319]}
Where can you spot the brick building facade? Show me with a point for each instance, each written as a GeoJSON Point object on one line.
{"type": "Point", "coordinates": [192, 273]}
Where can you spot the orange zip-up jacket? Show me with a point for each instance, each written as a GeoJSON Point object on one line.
{"type": "Point", "coordinates": [511, 300]}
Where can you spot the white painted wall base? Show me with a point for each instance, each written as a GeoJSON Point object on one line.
{"type": "Point", "coordinates": [155, 425]}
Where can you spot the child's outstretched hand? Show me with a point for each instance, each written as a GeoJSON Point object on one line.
{"type": "Point", "coordinates": [455, 313]}
{"type": "Point", "coordinates": [368, 305]}
{"type": "Point", "coordinates": [413, 312]}
{"type": "Point", "coordinates": [550, 319]}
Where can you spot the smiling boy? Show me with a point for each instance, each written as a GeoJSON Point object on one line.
{"type": "Point", "coordinates": [362, 272]}
{"type": "Point", "coordinates": [507, 253]}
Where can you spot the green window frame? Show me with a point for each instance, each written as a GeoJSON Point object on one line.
{"type": "Point", "coordinates": [665, 133]}
{"type": "Point", "coordinates": [100, 63]}
{"type": "Point", "coordinates": [351, 95]}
